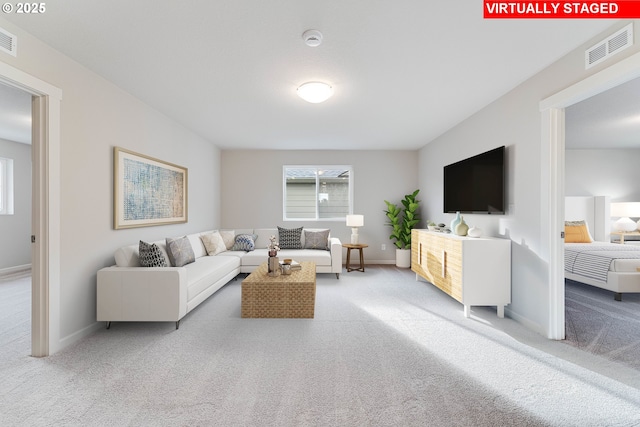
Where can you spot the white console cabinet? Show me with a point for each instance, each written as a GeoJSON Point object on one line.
{"type": "Point", "coordinates": [474, 271]}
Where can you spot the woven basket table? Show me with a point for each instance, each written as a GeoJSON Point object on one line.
{"type": "Point", "coordinates": [283, 296]}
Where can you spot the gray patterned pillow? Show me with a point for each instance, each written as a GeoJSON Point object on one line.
{"type": "Point", "coordinates": [150, 255]}
{"type": "Point", "coordinates": [180, 251]}
{"type": "Point", "coordinates": [290, 238]}
{"type": "Point", "coordinates": [245, 242]}
{"type": "Point", "coordinates": [316, 239]}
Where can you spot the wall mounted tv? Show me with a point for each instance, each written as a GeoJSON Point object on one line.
{"type": "Point", "coordinates": [476, 184]}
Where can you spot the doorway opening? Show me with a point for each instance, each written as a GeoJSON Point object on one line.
{"type": "Point", "coordinates": [15, 219]}
{"type": "Point", "coordinates": [553, 181]}
{"type": "Point", "coordinates": [45, 261]}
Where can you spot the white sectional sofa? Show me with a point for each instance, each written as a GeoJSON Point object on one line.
{"type": "Point", "coordinates": [129, 292]}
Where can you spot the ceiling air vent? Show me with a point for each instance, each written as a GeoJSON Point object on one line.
{"type": "Point", "coordinates": [613, 44]}
{"type": "Point", "coordinates": [8, 42]}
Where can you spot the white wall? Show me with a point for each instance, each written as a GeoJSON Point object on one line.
{"type": "Point", "coordinates": [252, 190]}
{"type": "Point", "coordinates": [603, 172]}
{"type": "Point", "coordinates": [515, 120]}
{"type": "Point", "coordinates": [96, 116]}
{"type": "Point", "coordinates": [15, 243]}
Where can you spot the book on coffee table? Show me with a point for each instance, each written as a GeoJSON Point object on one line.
{"type": "Point", "coordinates": [295, 265]}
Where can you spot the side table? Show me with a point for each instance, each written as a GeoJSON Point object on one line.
{"type": "Point", "coordinates": [350, 247]}
{"type": "Point", "coordinates": [621, 234]}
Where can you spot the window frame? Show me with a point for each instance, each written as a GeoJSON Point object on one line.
{"type": "Point", "coordinates": [317, 168]}
{"type": "Point", "coordinates": [6, 186]}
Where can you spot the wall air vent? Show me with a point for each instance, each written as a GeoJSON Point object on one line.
{"type": "Point", "coordinates": [613, 44]}
{"type": "Point", "coordinates": [8, 42]}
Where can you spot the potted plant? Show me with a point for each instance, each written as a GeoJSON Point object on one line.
{"type": "Point", "coordinates": [402, 220]}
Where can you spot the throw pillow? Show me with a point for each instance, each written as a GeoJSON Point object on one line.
{"type": "Point", "coordinates": [229, 237]}
{"type": "Point", "coordinates": [213, 243]}
{"type": "Point", "coordinates": [180, 251]}
{"type": "Point", "coordinates": [576, 232]}
{"type": "Point", "coordinates": [150, 255]}
{"type": "Point", "coordinates": [245, 242]}
{"type": "Point", "coordinates": [290, 238]}
{"type": "Point", "coordinates": [316, 239]}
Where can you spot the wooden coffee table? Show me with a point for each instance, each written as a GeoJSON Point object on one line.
{"type": "Point", "coordinates": [283, 296]}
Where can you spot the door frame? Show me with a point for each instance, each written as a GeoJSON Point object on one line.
{"type": "Point", "coordinates": [45, 251]}
{"type": "Point", "coordinates": [553, 180]}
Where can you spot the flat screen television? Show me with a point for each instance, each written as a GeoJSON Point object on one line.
{"type": "Point", "coordinates": [476, 184]}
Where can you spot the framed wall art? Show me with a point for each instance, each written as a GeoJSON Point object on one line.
{"type": "Point", "coordinates": [147, 191]}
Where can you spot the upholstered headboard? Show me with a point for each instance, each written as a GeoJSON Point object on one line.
{"type": "Point", "coordinates": [593, 209]}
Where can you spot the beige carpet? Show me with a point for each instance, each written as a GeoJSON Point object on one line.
{"type": "Point", "coordinates": [383, 350]}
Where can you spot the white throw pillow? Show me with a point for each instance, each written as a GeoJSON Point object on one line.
{"type": "Point", "coordinates": [213, 243]}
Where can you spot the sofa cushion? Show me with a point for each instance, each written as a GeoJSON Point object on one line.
{"type": "Point", "coordinates": [244, 242]}
{"type": "Point", "coordinates": [150, 255]}
{"type": "Point", "coordinates": [290, 238]}
{"type": "Point", "coordinates": [207, 270]}
{"type": "Point", "coordinates": [316, 239]}
{"type": "Point", "coordinates": [127, 256]}
{"type": "Point", "coordinates": [257, 257]}
{"type": "Point", "coordinates": [180, 251]}
{"type": "Point", "coordinates": [213, 243]}
{"type": "Point", "coordinates": [229, 237]}
{"type": "Point", "coordinates": [196, 245]}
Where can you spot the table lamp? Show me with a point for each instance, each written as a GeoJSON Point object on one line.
{"type": "Point", "coordinates": [625, 211]}
{"type": "Point", "coordinates": [355, 221]}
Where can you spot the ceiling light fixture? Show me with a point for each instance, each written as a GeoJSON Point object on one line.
{"type": "Point", "coordinates": [315, 92]}
{"type": "Point", "coordinates": [312, 38]}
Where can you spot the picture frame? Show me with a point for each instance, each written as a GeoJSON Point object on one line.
{"type": "Point", "coordinates": [147, 191]}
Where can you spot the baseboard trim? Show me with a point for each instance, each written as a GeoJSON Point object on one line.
{"type": "Point", "coordinates": [526, 322]}
{"type": "Point", "coordinates": [381, 261]}
{"type": "Point", "coordinates": [77, 336]}
{"type": "Point", "coordinates": [14, 272]}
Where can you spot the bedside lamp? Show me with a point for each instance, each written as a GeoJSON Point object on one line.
{"type": "Point", "coordinates": [355, 221]}
{"type": "Point", "coordinates": [625, 211]}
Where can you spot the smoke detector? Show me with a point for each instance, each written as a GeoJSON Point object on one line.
{"type": "Point", "coordinates": [312, 38]}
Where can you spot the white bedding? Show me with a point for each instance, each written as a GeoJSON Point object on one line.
{"type": "Point", "coordinates": [595, 260]}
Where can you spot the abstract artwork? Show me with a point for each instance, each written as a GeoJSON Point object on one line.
{"type": "Point", "coordinates": [147, 191]}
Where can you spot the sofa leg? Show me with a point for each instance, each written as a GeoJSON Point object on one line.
{"type": "Point", "coordinates": [108, 325]}
{"type": "Point", "coordinates": [177, 325]}
{"type": "Point", "coordinates": [337, 275]}
{"type": "Point", "coordinates": [617, 296]}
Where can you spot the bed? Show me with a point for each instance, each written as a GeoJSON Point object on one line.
{"type": "Point", "coordinates": [599, 263]}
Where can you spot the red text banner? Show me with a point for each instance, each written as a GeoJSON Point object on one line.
{"type": "Point", "coordinates": [625, 9]}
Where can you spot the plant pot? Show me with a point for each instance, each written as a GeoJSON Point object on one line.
{"type": "Point", "coordinates": [403, 258]}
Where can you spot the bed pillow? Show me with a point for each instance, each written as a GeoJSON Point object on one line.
{"type": "Point", "coordinates": [150, 255]}
{"type": "Point", "coordinates": [290, 238]}
{"type": "Point", "coordinates": [316, 239]}
{"type": "Point", "coordinates": [180, 251]}
{"type": "Point", "coordinates": [576, 232]}
{"type": "Point", "coordinates": [213, 243]}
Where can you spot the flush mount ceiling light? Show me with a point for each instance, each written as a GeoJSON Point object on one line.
{"type": "Point", "coordinates": [315, 92]}
{"type": "Point", "coordinates": [312, 38]}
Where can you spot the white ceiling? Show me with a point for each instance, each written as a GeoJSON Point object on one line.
{"type": "Point", "coordinates": [403, 72]}
{"type": "Point", "coordinates": [608, 120]}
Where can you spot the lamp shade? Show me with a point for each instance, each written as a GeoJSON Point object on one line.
{"type": "Point", "coordinates": [355, 220]}
{"type": "Point", "coordinates": [625, 210]}
{"type": "Point", "coordinates": [315, 92]}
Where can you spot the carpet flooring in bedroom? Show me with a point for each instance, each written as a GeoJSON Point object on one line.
{"type": "Point", "coordinates": [382, 350]}
{"type": "Point", "coordinates": [600, 325]}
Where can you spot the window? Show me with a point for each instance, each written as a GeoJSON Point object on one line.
{"type": "Point", "coordinates": [317, 192]}
{"type": "Point", "coordinates": [6, 186]}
